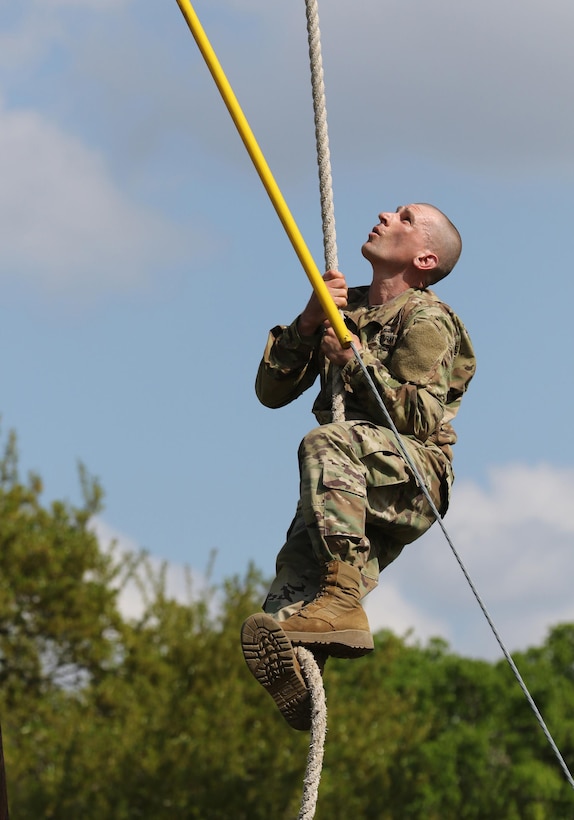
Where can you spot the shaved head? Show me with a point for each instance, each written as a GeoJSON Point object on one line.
{"type": "Point", "coordinates": [444, 240]}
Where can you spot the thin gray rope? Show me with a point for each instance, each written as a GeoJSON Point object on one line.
{"type": "Point", "coordinates": [325, 177]}
{"type": "Point", "coordinates": [338, 409]}
{"type": "Point", "coordinates": [314, 682]}
{"type": "Point", "coordinates": [437, 515]}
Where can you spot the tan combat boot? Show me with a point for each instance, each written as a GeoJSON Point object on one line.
{"type": "Point", "coordinates": [271, 660]}
{"type": "Point", "coordinates": [334, 620]}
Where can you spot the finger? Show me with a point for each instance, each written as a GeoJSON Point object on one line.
{"type": "Point", "coordinates": [332, 275]}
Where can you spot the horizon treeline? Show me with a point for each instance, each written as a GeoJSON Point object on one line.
{"type": "Point", "coordinates": [157, 716]}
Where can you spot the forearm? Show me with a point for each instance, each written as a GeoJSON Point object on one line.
{"type": "Point", "coordinates": [289, 365]}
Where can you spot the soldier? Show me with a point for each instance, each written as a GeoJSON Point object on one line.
{"type": "Point", "coordinates": [360, 503]}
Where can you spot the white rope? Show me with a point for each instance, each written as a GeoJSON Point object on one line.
{"type": "Point", "coordinates": [309, 667]}
{"type": "Point", "coordinates": [325, 178]}
{"type": "Point", "coordinates": [314, 682]}
{"type": "Point", "coordinates": [315, 759]}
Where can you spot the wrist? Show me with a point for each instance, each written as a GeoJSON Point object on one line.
{"type": "Point", "coordinates": [306, 328]}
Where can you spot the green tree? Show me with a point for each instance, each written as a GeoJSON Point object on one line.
{"type": "Point", "coordinates": [58, 616]}
{"type": "Point", "coordinates": [158, 717]}
{"type": "Point", "coordinates": [105, 716]}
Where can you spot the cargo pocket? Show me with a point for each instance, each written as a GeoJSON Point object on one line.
{"type": "Point", "coordinates": [344, 499]}
{"type": "Point", "coordinates": [384, 467]}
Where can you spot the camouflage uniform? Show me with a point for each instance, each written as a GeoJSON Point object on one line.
{"type": "Point", "coordinates": [359, 501]}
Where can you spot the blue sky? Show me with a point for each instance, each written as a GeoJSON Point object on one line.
{"type": "Point", "coordinates": [141, 266]}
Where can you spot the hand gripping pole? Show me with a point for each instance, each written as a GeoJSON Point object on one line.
{"type": "Point", "coordinates": [262, 168]}
{"type": "Point", "coordinates": [343, 334]}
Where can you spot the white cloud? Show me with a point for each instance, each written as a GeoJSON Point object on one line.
{"type": "Point", "coordinates": [444, 83]}
{"type": "Point", "coordinates": [181, 583]}
{"type": "Point", "coordinates": [392, 610]}
{"type": "Point", "coordinates": [26, 42]}
{"type": "Point", "coordinates": [37, 25]}
{"type": "Point", "coordinates": [515, 538]}
{"type": "Point", "coordinates": [95, 5]}
{"type": "Point", "coordinates": [469, 84]}
{"type": "Point", "coordinates": [65, 225]}
{"type": "Point", "coordinates": [466, 84]}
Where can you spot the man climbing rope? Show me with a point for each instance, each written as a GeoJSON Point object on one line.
{"type": "Point", "coordinates": [360, 502]}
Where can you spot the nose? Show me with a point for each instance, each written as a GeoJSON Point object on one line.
{"type": "Point", "coordinates": [384, 218]}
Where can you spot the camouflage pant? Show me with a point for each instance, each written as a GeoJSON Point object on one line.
{"type": "Point", "coordinates": [359, 503]}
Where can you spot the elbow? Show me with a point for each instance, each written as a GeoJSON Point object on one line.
{"type": "Point", "coordinates": [267, 400]}
{"type": "Point", "coordinates": [269, 396]}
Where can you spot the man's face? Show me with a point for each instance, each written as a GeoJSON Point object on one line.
{"type": "Point", "coordinates": [399, 237]}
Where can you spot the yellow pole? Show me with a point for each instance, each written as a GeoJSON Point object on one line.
{"type": "Point", "coordinates": [246, 134]}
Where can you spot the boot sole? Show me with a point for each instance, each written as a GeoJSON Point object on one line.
{"type": "Point", "coordinates": [344, 643]}
{"type": "Point", "coordinates": [271, 660]}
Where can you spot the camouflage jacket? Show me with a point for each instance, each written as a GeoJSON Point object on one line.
{"type": "Point", "coordinates": [415, 348]}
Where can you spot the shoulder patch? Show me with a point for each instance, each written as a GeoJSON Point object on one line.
{"type": "Point", "coordinates": [424, 346]}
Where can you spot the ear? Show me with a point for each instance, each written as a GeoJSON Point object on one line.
{"type": "Point", "coordinates": [426, 261]}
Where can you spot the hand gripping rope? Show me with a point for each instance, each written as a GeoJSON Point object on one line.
{"type": "Point", "coordinates": [345, 338]}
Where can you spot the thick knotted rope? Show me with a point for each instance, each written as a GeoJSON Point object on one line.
{"type": "Point", "coordinates": [338, 405]}
{"type": "Point", "coordinates": [309, 666]}
{"type": "Point", "coordinates": [331, 260]}
{"type": "Point", "coordinates": [314, 682]}
{"type": "Point", "coordinates": [325, 178]}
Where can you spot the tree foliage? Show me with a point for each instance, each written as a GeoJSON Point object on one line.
{"type": "Point", "coordinates": [158, 717]}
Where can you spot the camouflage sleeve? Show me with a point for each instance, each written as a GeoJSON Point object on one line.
{"type": "Point", "coordinates": [289, 366]}
{"type": "Point", "coordinates": [414, 379]}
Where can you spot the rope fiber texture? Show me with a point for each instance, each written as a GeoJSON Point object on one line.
{"type": "Point", "coordinates": [338, 406]}
{"type": "Point", "coordinates": [309, 667]}
{"type": "Point", "coordinates": [314, 681]}
{"type": "Point", "coordinates": [325, 176]}
{"type": "Point", "coordinates": [314, 762]}
{"type": "Point", "coordinates": [315, 756]}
